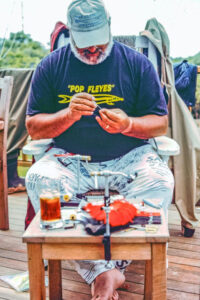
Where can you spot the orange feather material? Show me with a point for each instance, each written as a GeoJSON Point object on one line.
{"type": "Point", "coordinates": [121, 212]}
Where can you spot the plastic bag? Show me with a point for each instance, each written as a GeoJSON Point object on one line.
{"type": "Point", "coordinates": [20, 281]}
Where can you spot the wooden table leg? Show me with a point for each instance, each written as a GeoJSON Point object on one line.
{"type": "Point", "coordinates": [55, 280]}
{"type": "Point", "coordinates": [156, 273]}
{"type": "Point", "coordinates": [148, 280]}
{"type": "Point", "coordinates": [36, 272]}
{"type": "Point", "coordinates": [4, 224]}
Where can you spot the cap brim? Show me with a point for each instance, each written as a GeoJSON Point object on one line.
{"type": "Point", "coordinates": [92, 38]}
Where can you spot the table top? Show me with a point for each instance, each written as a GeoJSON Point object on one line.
{"type": "Point", "coordinates": [34, 234]}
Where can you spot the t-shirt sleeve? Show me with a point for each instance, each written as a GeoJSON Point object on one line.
{"type": "Point", "coordinates": [150, 95]}
{"type": "Point", "coordinates": [41, 97]}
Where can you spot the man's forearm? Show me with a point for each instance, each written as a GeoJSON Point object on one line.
{"type": "Point", "coordinates": [42, 126]}
{"type": "Point", "coordinates": [147, 126]}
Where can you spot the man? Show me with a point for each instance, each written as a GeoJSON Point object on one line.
{"type": "Point", "coordinates": [66, 89]}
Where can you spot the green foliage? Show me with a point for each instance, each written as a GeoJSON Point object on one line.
{"type": "Point", "coordinates": [20, 51]}
{"type": "Point", "coordinates": [191, 59]}
{"type": "Point", "coordinates": [198, 89]}
{"type": "Point", "coordinates": [194, 59]}
{"type": "Point", "coordinates": [22, 171]}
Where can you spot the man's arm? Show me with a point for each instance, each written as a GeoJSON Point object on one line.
{"type": "Point", "coordinates": [42, 125]}
{"type": "Point", "coordinates": [146, 127]}
{"type": "Point", "coordinates": [117, 121]}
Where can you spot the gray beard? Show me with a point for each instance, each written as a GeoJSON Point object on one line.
{"type": "Point", "coordinates": [85, 60]}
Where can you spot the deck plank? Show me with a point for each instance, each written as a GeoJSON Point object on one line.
{"type": "Point", "coordinates": [183, 274]}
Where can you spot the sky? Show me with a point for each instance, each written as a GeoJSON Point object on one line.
{"type": "Point", "coordinates": [180, 19]}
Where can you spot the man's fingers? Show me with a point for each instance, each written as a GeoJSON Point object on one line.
{"type": "Point", "coordinates": [81, 111]}
{"type": "Point", "coordinates": [109, 122]}
{"type": "Point", "coordinates": [107, 127]}
{"type": "Point", "coordinates": [84, 96]}
{"type": "Point", "coordinates": [108, 114]}
{"type": "Point", "coordinates": [101, 123]}
{"type": "Point", "coordinates": [79, 101]}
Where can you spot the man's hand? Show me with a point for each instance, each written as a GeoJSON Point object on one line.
{"type": "Point", "coordinates": [81, 104]}
{"type": "Point", "coordinates": [113, 120]}
{"type": "Point", "coordinates": [44, 126]}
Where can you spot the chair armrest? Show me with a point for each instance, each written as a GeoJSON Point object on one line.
{"type": "Point", "coordinates": [37, 147]}
{"type": "Point", "coordinates": [165, 146]}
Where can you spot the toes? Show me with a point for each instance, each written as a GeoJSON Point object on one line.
{"type": "Point", "coordinates": [115, 296]}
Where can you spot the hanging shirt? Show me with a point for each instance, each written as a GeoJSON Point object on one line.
{"type": "Point", "coordinates": [185, 81]}
{"type": "Point", "coordinates": [126, 79]}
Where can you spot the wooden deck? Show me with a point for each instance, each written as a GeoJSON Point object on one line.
{"type": "Point", "coordinates": [183, 255]}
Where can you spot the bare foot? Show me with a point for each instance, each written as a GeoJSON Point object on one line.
{"type": "Point", "coordinates": [105, 285]}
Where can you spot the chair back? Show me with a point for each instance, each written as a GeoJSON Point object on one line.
{"type": "Point", "coordinates": [142, 43]}
{"type": "Point", "coordinates": [6, 85]}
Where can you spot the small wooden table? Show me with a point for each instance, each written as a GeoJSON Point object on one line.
{"type": "Point", "coordinates": [75, 244]}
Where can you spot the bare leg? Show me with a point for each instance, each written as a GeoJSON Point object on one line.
{"type": "Point", "coordinates": [105, 285]}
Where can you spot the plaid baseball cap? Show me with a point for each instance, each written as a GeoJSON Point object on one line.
{"type": "Point", "coordinates": [89, 23]}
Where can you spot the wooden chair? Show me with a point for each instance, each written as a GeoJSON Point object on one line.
{"type": "Point", "coordinates": [6, 85]}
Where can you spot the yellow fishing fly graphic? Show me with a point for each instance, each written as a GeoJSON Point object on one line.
{"type": "Point", "coordinates": [99, 98]}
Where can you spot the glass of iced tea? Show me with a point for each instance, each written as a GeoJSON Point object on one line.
{"type": "Point", "coordinates": [50, 210]}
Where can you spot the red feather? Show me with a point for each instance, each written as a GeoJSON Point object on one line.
{"type": "Point", "coordinates": [121, 213]}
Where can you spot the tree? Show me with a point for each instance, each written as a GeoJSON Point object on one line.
{"type": "Point", "coordinates": [20, 51]}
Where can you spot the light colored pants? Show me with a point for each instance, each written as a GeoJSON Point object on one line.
{"type": "Point", "coordinates": [154, 181]}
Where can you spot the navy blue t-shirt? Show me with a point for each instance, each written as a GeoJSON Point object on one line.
{"type": "Point", "coordinates": [125, 80]}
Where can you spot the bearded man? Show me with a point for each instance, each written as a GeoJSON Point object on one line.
{"type": "Point", "coordinates": [98, 97]}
